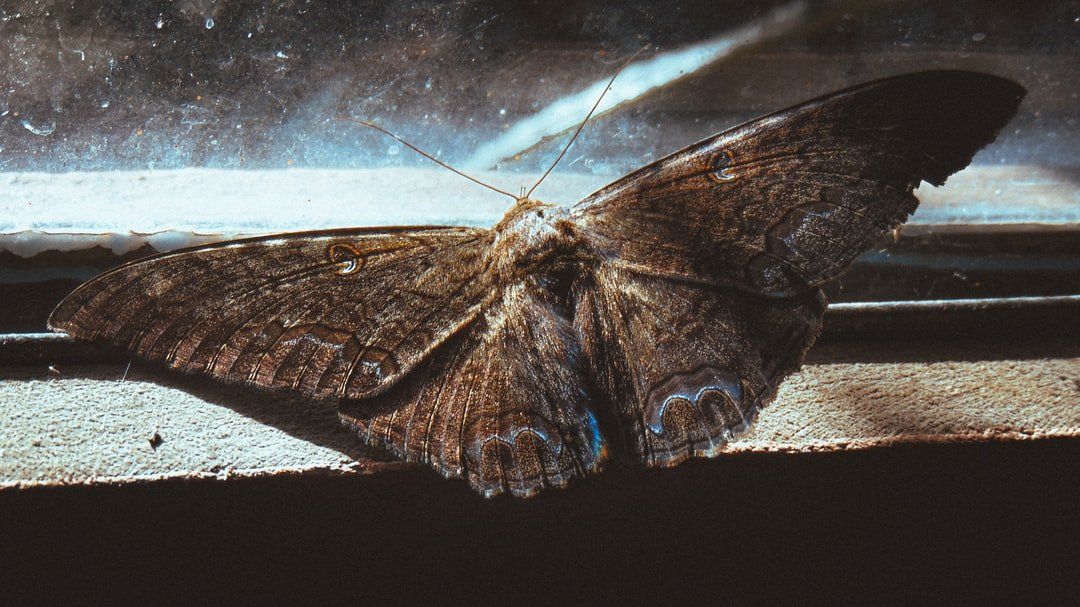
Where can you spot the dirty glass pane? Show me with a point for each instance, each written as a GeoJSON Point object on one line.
{"type": "Point", "coordinates": [123, 123]}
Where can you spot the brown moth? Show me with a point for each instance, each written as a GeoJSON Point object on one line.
{"type": "Point", "coordinates": [647, 323]}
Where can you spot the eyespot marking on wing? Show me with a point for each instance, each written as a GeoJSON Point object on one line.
{"type": "Point", "coordinates": [722, 163]}
{"type": "Point", "coordinates": [378, 362]}
{"type": "Point", "coordinates": [347, 257]}
{"type": "Point", "coordinates": [707, 391]}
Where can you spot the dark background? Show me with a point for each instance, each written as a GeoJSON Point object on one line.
{"type": "Point", "coordinates": [993, 523]}
{"type": "Point", "coordinates": [113, 84]}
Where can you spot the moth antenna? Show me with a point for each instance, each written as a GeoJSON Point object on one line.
{"type": "Point", "coordinates": [426, 155]}
{"type": "Point", "coordinates": [587, 117]}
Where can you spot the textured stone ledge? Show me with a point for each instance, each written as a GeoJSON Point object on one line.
{"type": "Point", "coordinates": [84, 424]}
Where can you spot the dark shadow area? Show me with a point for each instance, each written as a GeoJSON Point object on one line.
{"type": "Point", "coordinates": [312, 421]}
{"type": "Point", "coordinates": [991, 523]}
{"type": "Point", "coordinates": [318, 423]}
{"type": "Point", "coordinates": [916, 347]}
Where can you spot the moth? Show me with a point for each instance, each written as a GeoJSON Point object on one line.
{"type": "Point", "coordinates": [647, 324]}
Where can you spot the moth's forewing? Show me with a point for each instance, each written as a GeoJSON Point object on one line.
{"type": "Point", "coordinates": [783, 203]}
{"type": "Point", "coordinates": [333, 314]}
{"type": "Point", "coordinates": [706, 293]}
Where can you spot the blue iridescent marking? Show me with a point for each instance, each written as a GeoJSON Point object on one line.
{"type": "Point", "coordinates": [597, 440]}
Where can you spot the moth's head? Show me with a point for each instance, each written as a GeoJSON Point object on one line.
{"type": "Point", "coordinates": [530, 232]}
{"type": "Point", "coordinates": [526, 218]}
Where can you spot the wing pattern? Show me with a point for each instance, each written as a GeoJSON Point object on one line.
{"type": "Point", "coordinates": [660, 313]}
{"type": "Point", "coordinates": [686, 366]}
{"type": "Point", "coordinates": [504, 404]}
{"type": "Point", "coordinates": [328, 314]}
{"type": "Point", "coordinates": [786, 202]}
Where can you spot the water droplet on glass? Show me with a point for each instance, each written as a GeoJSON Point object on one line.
{"type": "Point", "coordinates": [281, 55]}
{"type": "Point", "coordinates": [209, 23]}
{"type": "Point", "coordinates": [502, 112]}
{"type": "Point", "coordinates": [427, 84]}
{"type": "Point", "coordinates": [160, 23]}
{"type": "Point", "coordinates": [978, 37]}
{"type": "Point", "coordinates": [393, 150]}
{"type": "Point", "coordinates": [43, 130]}
{"type": "Point", "coordinates": [105, 103]}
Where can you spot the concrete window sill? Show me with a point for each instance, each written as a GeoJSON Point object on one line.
{"type": "Point", "coordinates": [85, 424]}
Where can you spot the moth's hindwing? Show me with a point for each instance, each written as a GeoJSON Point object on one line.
{"type": "Point", "coordinates": [504, 404]}
{"type": "Point", "coordinates": [686, 367]}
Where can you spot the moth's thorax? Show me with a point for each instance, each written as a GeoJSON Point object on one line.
{"type": "Point", "coordinates": [530, 234]}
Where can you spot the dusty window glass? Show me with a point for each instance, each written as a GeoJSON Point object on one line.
{"type": "Point", "coordinates": [127, 124]}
